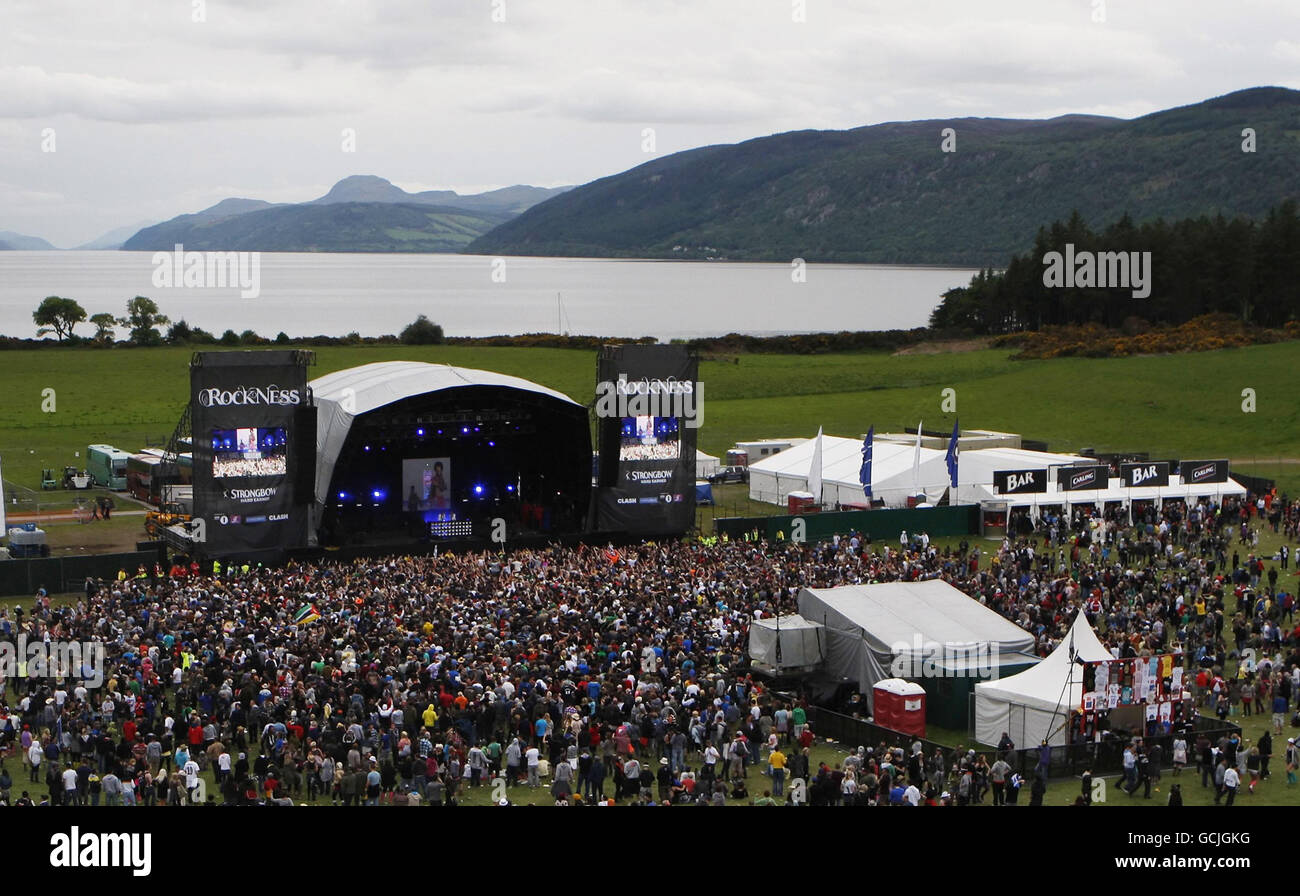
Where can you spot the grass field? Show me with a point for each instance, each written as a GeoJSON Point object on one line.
{"type": "Point", "coordinates": [1186, 405]}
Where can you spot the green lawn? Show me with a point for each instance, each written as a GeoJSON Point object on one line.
{"type": "Point", "coordinates": [1186, 405]}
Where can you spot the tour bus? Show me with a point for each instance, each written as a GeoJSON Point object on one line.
{"type": "Point", "coordinates": [140, 479]}
{"type": "Point", "coordinates": [107, 466]}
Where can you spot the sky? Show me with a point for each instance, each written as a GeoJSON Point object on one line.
{"type": "Point", "coordinates": [118, 112]}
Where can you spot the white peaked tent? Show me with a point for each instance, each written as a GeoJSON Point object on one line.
{"type": "Point", "coordinates": [773, 478]}
{"type": "Point", "coordinates": [1034, 705]}
{"type": "Point", "coordinates": [705, 465]}
{"type": "Point", "coordinates": [784, 644]}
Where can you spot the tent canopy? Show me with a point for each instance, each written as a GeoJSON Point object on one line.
{"type": "Point", "coordinates": [1032, 705]}
{"type": "Point", "coordinates": [1115, 492]}
{"type": "Point", "coordinates": [773, 478]}
{"type": "Point", "coordinates": [870, 627]}
{"type": "Point", "coordinates": [344, 395]}
{"type": "Point", "coordinates": [785, 643]}
{"type": "Point", "coordinates": [705, 465]}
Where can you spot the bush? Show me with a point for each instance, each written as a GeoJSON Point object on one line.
{"type": "Point", "coordinates": [422, 332]}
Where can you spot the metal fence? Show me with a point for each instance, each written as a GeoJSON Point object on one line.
{"type": "Point", "coordinates": [63, 574]}
{"type": "Point", "coordinates": [1104, 758]}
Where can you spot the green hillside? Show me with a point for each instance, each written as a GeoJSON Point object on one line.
{"type": "Point", "coordinates": [889, 194]}
{"type": "Point", "coordinates": [337, 227]}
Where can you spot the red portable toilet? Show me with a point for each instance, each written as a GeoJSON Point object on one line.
{"type": "Point", "coordinates": [798, 503]}
{"type": "Point", "coordinates": [899, 705]}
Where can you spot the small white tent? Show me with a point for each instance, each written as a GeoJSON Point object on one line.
{"type": "Point", "coordinates": [784, 644]}
{"type": "Point", "coordinates": [1034, 705]}
{"type": "Point", "coordinates": [705, 465]}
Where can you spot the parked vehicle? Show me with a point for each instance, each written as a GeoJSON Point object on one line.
{"type": "Point", "coordinates": [107, 466]}
{"type": "Point", "coordinates": [75, 479]}
{"type": "Point", "coordinates": [730, 474]}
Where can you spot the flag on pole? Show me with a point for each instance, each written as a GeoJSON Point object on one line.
{"type": "Point", "coordinates": [952, 461]}
{"type": "Point", "coordinates": [864, 475]}
{"type": "Point", "coordinates": [815, 471]}
{"type": "Point", "coordinates": [916, 461]}
{"type": "Point", "coordinates": [306, 615]}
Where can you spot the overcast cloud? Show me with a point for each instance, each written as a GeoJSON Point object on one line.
{"type": "Point", "coordinates": [154, 114]}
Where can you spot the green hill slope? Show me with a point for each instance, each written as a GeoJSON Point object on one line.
{"type": "Point", "coordinates": [337, 227]}
{"type": "Point", "coordinates": [888, 193]}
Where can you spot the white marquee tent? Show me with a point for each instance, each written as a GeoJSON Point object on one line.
{"type": "Point", "coordinates": [975, 469]}
{"type": "Point", "coordinates": [1034, 705]}
{"type": "Point", "coordinates": [1115, 492]}
{"type": "Point", "coordinates": [773, 478]}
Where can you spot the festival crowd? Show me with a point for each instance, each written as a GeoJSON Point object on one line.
{"type": "Point", "coordinates": [600, 674]}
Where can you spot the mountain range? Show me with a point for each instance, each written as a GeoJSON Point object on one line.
{"type": "Point", "coordinates": [890, 193]}
{"type": "Point", "coordinates": [965, 191]}
{"type": "Point", "coordinates": [18, 241]}
{"type": "Point", "coordinates": [362, 213]}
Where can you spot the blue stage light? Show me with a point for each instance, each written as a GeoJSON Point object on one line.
{"type": "Point", "coordinates": [478, 489]}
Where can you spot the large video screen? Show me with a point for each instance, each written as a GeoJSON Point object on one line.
{"type": "Point", "coordinates": [649, 438]}
{"type": "Point", "coordinates": [426, 483]}
{"type": "Point", "coordinates": [249, 451]}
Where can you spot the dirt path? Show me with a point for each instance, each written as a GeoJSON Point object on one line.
{"type": "Point", "coordinates": [59, 516]}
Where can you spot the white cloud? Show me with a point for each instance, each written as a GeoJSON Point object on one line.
{"type": "Point", "coordinates": [158, 114]}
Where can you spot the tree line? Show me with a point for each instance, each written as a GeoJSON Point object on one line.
{"type": "Point", "coordinates": [59, 316]}
{"type": "Point", "coordinates": [1199, 266]}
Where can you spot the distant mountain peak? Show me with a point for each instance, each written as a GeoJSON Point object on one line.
{"type": "Point", "coordinates": [364, 188]}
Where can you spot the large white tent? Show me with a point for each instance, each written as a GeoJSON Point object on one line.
{"type": "Point", "coordinates": [1034, 705]}
{"type": "Point", "coordinates": [1115, 492]}
{"type": "Point", "coordinates": [773, 478]}
{"type": "Point", "coordinates": [975, 469]}
{"type": "Point", "coordinates": [873, 632]}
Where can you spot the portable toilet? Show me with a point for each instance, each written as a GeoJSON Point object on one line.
{"type": "Point", "coordinates": [899, 705]}
{"type": "Point", "coordinates": [800, 502]}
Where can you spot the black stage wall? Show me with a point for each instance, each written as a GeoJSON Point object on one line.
{"type": "Point", "coordinates": [649, 405]}
{"type": "Point", "coordinates": [250, 414]}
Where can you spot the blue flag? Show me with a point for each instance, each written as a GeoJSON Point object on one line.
{"type": "Point", "coordinates": [952, 459]}
{"type": "Point", "coordinates": [864, 475]}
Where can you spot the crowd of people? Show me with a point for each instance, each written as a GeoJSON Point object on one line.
{"type": "Point", "coordinates": [599, 674]}
{"type": "Point", "coordinates": [638, 450]}
{"type": "Point", "coordinates": [238, 465]}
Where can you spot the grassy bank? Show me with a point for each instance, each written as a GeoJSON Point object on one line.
{"type": "Point", "coordinates": [1176, 405]}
